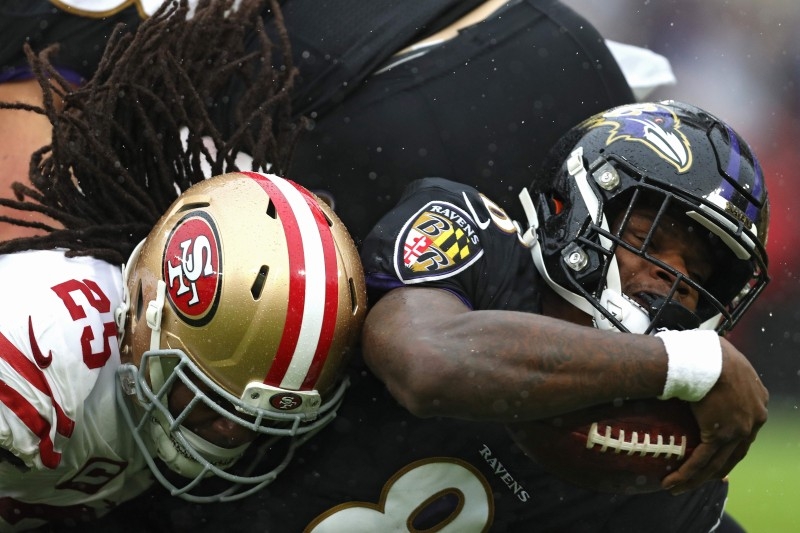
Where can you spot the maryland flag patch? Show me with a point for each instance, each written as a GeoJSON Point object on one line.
{"type": "Point", "coordinates": [438, 241]}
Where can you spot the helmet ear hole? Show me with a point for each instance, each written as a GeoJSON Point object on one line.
{"type": "Point", "coordinates": [353, 296]}
{"type": "Point", "coordinates": [139, 301]}
{"type": "Point", "coordinates": [271, 211]}
{"type": "Point", "coordinates": [556, 205]}
{"type": "Point", "coordinates": [261, 280]}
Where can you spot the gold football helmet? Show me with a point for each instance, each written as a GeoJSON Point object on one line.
{"type": "Point", "coordinates": [250, 293]}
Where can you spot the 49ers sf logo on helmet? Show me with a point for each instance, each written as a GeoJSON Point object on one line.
{"type": "Point", "coordinates": [193, 269]}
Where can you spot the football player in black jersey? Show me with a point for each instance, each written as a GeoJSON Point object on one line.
{"type": "Point", "coordinates": [647, 228]}
{"type": "Point", "coordinates": [471, 90]}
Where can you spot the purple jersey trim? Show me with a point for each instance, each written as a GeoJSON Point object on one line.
{"type": "Point", "coordinates": [380, 283]}
{"type": "Point", "coordinates": [25, 73]}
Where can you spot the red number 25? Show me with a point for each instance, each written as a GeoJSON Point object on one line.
{"type": "Point", "coordinates": [97, 299]}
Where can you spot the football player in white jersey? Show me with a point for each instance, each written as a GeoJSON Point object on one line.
{"type": "Point", "coordinates": [166, 325]}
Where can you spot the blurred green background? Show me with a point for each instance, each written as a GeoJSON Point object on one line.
{"type": "Point", "coordinates": [764, 495]}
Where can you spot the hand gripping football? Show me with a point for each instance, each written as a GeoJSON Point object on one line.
{"type": "Point", "coordinates": [625, 447]}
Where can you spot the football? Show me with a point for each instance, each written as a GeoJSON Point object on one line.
{"type": "Point", "coordinates": [626, 447]}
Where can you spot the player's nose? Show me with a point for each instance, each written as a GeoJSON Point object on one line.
{"type": "Point", "coordinates": [675, 260]}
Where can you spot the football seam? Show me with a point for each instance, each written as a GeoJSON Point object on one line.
{"type": "Point", "coordinates": [645, 446]}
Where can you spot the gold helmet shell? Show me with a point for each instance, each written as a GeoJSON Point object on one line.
{"type": "Point", "coordinates": [263, 283]}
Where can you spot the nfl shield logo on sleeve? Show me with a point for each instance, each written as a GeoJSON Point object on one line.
{"type": "Point", "coordinates": [438, 241]}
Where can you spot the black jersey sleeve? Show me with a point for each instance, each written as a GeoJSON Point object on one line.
{"type": "Point", "coordinates": [447, 235]}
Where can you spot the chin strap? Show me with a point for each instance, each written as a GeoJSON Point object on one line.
{"type": "Point", "coordinates": [628, 312]}
{"type": "Point", "coordinates": [177, 457]}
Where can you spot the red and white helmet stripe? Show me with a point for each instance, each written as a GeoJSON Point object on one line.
{"type": "Point", "coordinates": [313, 291]}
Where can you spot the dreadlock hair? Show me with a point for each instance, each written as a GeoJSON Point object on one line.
{"type": "Point", "coordinates": [117, 158]}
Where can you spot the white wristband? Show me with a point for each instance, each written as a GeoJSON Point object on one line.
{"type": "Point", "coordinates": [695, 363]}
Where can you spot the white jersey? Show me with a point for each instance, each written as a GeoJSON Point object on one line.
{"type": "Point", "coordinates": [58, 412]}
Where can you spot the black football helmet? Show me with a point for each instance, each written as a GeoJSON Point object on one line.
{"type": "Point", "coordinates": [670, 157]}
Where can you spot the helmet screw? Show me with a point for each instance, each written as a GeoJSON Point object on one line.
{"type": "Point", "coordinates": [577, 259]}
{"type": "Point", "coordinates": [607, 177]}
{"type": "Point", "coordinates": [254, 396]}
